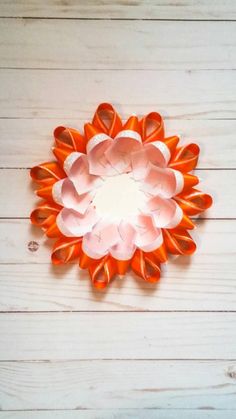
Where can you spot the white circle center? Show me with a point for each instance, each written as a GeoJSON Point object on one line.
{"type": "Point", "coordinates": [119, 197]}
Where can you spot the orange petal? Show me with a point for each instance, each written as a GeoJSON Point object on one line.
{"type": "Point", "coordinates": [61, 154]}
{"type": "Point", "coordinates": [85, 260]}
{"type": "Point", "coordinates": [69, 139]}
{"type": "Point", "coordinates": [160, 253]}
{"type": "Point", "coordinates": [90, 130]}
{"type": "Point", "coordinates": [178, 241]}
{"type": "Point", "coordinates": [107, 119]}
{"type": "Point", "coordinates": [185, 158]}
{"type": "Point", "coordinates": [102, 271]}
{"type": "Point", "coordinates": [171, 143]}
{"type": "Point", "coordinates": [53, 231]}
{"type": "Point", "coordinates": [122, 266]}
{"type": "Point", "coordinates": [44, 215]}
{"type": "Point", "coordinates": [45, 193]}
{"type": "Point", "coordinates": [152, 127]}
{"type": "Point", "coordinates": [193, 201]}
{"type": "Point", "coordinates": [186, 223]}
{"type": "Point", "coordinates": [132, 124]}
{"type": "Point", "coordinates": [47, 173]}
{"type": "Point", "coordinates": [65, 250]}
{"type": "Point", "coordinates": [189, 181]}
{"type": "Point", "coordinates": [146, 266]}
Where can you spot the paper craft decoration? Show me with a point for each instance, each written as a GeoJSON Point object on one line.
{"type": "Point", "coordinates": [119, 196]}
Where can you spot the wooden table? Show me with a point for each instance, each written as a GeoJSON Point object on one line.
{"type": "Point", "coordinates": [133, 351]}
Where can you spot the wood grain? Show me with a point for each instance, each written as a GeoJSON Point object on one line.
{"type": "Point", "coordinates": [139, 45]}
{"type": "Point", "coordinates": [122, 9]}
{"type": "Point", "coordinates": [204, 284]}
{"type": "Point", "coordinates": [133, 385]}
{"type": "Point", "coordinates": [28, 141]}
{"type": "Point", "coordinates": [135, 350]}
{"type": "Point", "coordinates": [213, 237]}
{"type": "Point", "coordinates": [150, 413]}
{"type": "Point", "coordinates": [19, 200]}
{"type": "Point", "coordinates": [73, 94]}
{"type": "Point", "coordinates": [68, 336]}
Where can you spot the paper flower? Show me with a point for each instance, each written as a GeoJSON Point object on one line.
{"type": "Point", "coordinates": [119, 196]}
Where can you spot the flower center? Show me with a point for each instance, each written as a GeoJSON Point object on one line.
{"type": "Point", "coordinates": [119, 197]}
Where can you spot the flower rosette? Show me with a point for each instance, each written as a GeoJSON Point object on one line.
{"type": "Point", "coordinates": [98, 233]}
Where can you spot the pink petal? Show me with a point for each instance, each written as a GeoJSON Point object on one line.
{"type": "Point", "coordinates": [73, 224]}
{"type": "Point", "coordinates": [140, 163]}
{"type": "Point", "coordinates": [158, 153]}
{"type": "Point", "coordinates": [119, 154]}
{"type": "Point", "coordinates": [125, 248]}
{"type": "Point", "coordinates": [80, 176]}
{"type": "Point", "coordinates": [162, 182]}
{"type": "Point", "coordinates": [166, 213]}
{"type": "Point", "coordinates": [148, 237]}
{"type": "Point", "coordinates": [104, 235]}
{"type": "Point", "coordinates": [98, 163]}
{"type": "Point", "coordinates": [65, 194]}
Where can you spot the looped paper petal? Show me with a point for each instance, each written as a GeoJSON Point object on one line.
{"type": "Point", "coordinates": [66, 249]}
{"type": "Point", "coordinates": [185, 158]}
{"type": "Point", "coordinates": [156, 153]}
{"type": "Point", "coordinates": [165, 212]}
{"type": "Point", "coordinates": [125, 143]}
{"type": "Point", "coordinates": [179, 242]}
{"type": "Point", "coordinates": [65, 194]}
{"type": "Point", "coordinates": [125, 247]}
{"type": "Point", "coordinates": [77, 168]}
{"type": "Point", "coordinates": [102, 271]}
{"type": "Point", "coordinates": [104, 235]}
{"type": "Point", "coordinates": [163, 182]}
{"type": "Point", "coordinates": [194, 202]}
{"type": "Point", "coordinates": [152, 127]}
{"type": "Point", "coordinates": [97, 145]}
{"type": "Point", "coordinates": [107, 120]}
{"type": "Point", "coordinates": [146, 266]}
{"type": "Point", "coordinates": [47, 173]}
{"type": "Point", "coordinates": [45, 214]}
{"type": "Point", "coordinates": [74, 224]}
{"type": "Point", "coordinates": [69, 139]}
{"type": "Point", "coordinates": [148, 237]}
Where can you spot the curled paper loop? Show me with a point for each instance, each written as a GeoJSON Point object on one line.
{"type": "Point", "coordinates": [185, 158]}
{"type": "Point", "coordinates": [102, 271]}
{"type": "Point", "coordinates": [194, 202]}
{"type": "Point", "coordinates": [107, 120]}
{"type": "Point", "coordinates": [47, 173]}
{"type": "Point", "coordinates": [110, 229]}
{"type": "Point", "coordinates": [146, 266]}
{"type": "Point", "coordinates": [66, 249]}
{"type": "Point", "coordinates": [69, 139]}
{"type": "Point", "coordinates": [152, 127]}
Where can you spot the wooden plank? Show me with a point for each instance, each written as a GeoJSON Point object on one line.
{"type": "Point", "coordinates": [136, 385]}
{"type": "Point", "coordinates": [214, 239]}
{"type": "Point", "coordinates": [139, 45]}
{"type": "Point", "coordinates": [73, 94]}
{"type": "Point", "coordinates": [206, 283]}
{"type": "Point", "coordinates": [26, 142]}
{"type": "Point", "coordinates": [19, 200]}
{"type": "Point", "coordinates": [116, 414]}
{"type": "Point", "coordinates": [165, 335]}
{"type": "Point", "coordinates": [123, 9]}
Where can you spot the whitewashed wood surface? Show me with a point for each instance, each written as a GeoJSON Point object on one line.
{"type": "Point", "coordinates": [136, 350]}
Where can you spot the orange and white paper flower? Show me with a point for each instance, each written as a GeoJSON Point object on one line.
{"type": "Point", "coordinates": [119, 196]}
